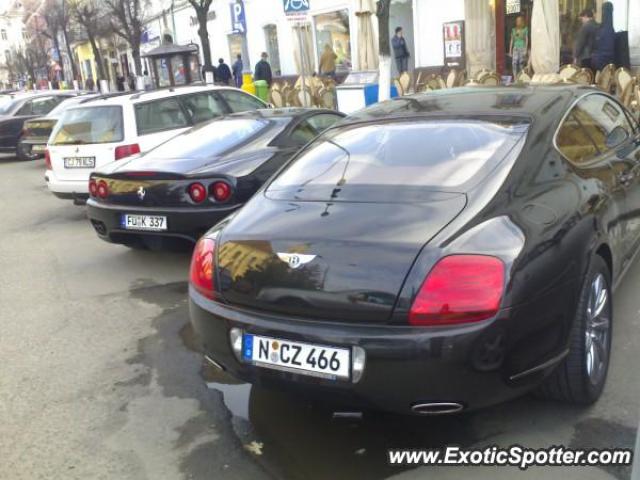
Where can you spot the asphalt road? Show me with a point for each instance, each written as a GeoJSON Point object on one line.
{"type": "Point", "coordinates": [99, 377]}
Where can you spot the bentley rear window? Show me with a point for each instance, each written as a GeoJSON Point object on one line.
{"type": "Point", "coordinates": [80, 126]}
{"type": "Point", "coordinates": [438, 154]}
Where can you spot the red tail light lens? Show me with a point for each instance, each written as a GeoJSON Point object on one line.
{"type": "Point", "coordinates": [47, 159]}
{"type": "Point", "coordinates": [220, 191]}
{"type": "Point", "coordinates": [197, 192]}
{"type": "Point", "coordinates": [93, 187]}
{"type": "Point", "coordinates": [201, 272]}
{"type": "Point", "coordinates": [127, 150]}
{"type": "Point", "coordinates": [102, 189]}
{"type": "Point", "coordinates": [459, 289]}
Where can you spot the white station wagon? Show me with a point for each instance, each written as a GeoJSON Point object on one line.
{"type": "Point", "coordinates": [112, 127]}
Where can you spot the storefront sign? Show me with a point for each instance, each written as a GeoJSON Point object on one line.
{"type": "Point", "coordinates": [512, 7]}
{"type": "Point", "coordinates": [238, 20]}
{"type": "Point", "coordinates": [296, 6]}
{"type": "Point", "coordinates": [194, 22]}
{"type": "Point", "coordinates": [453, 37]}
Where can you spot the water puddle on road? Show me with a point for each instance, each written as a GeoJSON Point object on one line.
{"type": "Point", "coordinates": [296, 439]}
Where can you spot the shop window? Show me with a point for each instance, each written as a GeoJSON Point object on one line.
{"type": "Point", "coordinates": [271, 41]}
{"type": "Point", "coordinates": [235, 47]}
{"type": "Point", "coordinates": [162, 64]}
{"type": "Point", "coordinates": [333, 29]}
{"type": "Point", "coordinates": [179, 70]}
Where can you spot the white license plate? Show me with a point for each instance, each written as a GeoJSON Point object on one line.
{"type": "Point", "coordinates": [79, 162]}
{"type": "Point", "coordinates": [304, 358]}
{"type": "Point", "coordinates": [143, 222]}
{"type": "Point", "coordinates": [37, 148]}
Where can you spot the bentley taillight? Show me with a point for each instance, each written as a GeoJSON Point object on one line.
{"type": "Point", "coordinates": [459, 289]}
{"type": "Point", "coordinates": [201, 271]}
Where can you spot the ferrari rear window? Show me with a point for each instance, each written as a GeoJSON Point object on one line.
{"type": "Point", "coordinates": [437, 154]}
{"type": "Point", "coordinates": [79, 126]}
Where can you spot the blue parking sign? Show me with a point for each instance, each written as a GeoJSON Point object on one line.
{"type": "Point", "coordinates": [295, 6]}
{"type": "Point", "coordinates": [238, 20]}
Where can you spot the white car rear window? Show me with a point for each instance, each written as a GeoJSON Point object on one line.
{"type": "Point", "coordinates": [79, 126]}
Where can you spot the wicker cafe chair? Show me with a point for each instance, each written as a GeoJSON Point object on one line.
{"type": "Point", "coordinates": [623, 79]}
{"type": "Point", "coordinates": [626, 96]}
{"type": "Point", "coordinates": [490, 79]}
{"type": "Point", "coordinates": [481, 74]}
{"type": "Point", "coordinates": [604, 78]}
{"type": "Point", "coordinates": [567, 72]}
{"type": "Point", "coordinates": [276, 98]}
{"type": "Point", "coordinates": [635, 100]}
{"type": "Point", "coordinates": [455, 78]}
{"type": "Point", "coordinates": [435, 82]}
{"type": "Point", "coordinates": [523, 77]}
{"type": "Point", "coordinates": [327, 98]}
{"type": "Point", "coordinates": [584, 77]}
{"type": "Point", "coordinates": [398, 85]}
{"type": "Point", "coordinates": [405, 82]}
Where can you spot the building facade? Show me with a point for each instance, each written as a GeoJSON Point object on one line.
{"type": "Point", "coordinates": [12, 38]}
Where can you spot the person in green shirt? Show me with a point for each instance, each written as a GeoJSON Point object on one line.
{"type": "Point", "coordinates": [519, 46]}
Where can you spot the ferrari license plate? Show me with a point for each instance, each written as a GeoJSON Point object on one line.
{"type": "Point", "coordinates": [304, 358]}
{"type": "Point", "coordinates": [79, 162]}
{"type": "Point", "coordinates": [144, 222]}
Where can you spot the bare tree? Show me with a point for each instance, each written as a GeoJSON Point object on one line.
{"type": "Point", "coordinates": [202, 13]}
{"type": "Point", "coordinates": [127, 20]}
{"type": "Point", "coordinates": [384, 50]}
{"type": "Point", "coordinates": [91, 17]}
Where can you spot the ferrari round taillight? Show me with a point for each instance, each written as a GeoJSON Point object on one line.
{"type": "Point", "coordinates": [102, 189]}
{"type": "Point", "coordinates": [197, 192]}
{"type": "Point", "coordinates": [93, 187]}
{"type": "Point", "coordinates": [201, 272]}
{"type": "Point", "coordinates": [459, 289]}
{"type": "Point", "coordinates": [220, 191]}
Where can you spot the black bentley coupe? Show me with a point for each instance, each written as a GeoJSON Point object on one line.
{"type": "Point", "coordinates": [431, 254]}
{"type": "Point", "coordinates": [184, 186]}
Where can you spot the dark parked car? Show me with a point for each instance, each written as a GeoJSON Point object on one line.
{"type": "Point", "coordinates": [187, 184]}
{"type": "Point", "coordinates": [36, 131]}
{"type": "Point", "coordinates": [484, 227]}
{"type": "Point", "coordinates": [16, 108]}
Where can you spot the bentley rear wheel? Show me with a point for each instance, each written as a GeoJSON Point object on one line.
{"type": "Point", "coordinates": [580, 378]}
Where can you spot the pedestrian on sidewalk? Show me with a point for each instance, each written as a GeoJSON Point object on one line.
{"type": "Point", "coordinates": [237, 71]}
{"type": "Point", "coordinates": [586, 39]}
{"type": "Point", "coordinates": [604, 51]}
{"type": "Point", "coordinates": [400, 51]}
{"type": "Point", "coordinates": [519, 46]}
{"type": "Point", "coordinates": [263, 69]}
{"type": "Point", "coordinates": [224, 72]}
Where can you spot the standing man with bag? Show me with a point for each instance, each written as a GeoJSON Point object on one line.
{"type": "Point", "coordinates": [586, 39]}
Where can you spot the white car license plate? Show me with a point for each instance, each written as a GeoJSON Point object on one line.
{"type": "Point", "coordinates": [79, 162]}
{"type": "Point", "coordinates": [304, 358]}
{"type": "Point", "coordinates": [143, 222]}
{"type": "Point", "coordinates": [37, 148]}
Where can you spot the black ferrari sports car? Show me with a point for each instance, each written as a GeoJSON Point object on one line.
{"type": "Point", "coordinates": [184, 186]}
{"type": "Point", "coordinates": [431, 254]}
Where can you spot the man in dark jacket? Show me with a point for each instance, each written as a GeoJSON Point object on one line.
{"type": "Point", "coordinates": [604, 51]}
{"type": "Point", "coordinates": [224, 72]}
{"type": "Point", "coordinates": [400, 51]}
{"type": "Point", "coordinates": [586, 39]}
{"type": "Point", "coordinates": [263, 69]}
{"type": "Point", "coordinates": [237, 71]}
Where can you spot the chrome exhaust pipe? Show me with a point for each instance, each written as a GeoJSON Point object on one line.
{"type": "Point", "coordinates": [437, 408]}
{"type": "Point", "coordinates": [213, 363]}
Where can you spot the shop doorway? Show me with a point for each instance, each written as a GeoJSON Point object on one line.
{"type": "Point", "coordinates": [513, 10]}
{"type": "Point", "coordinates": [401, 15]}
